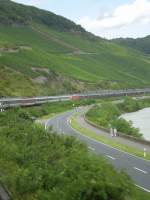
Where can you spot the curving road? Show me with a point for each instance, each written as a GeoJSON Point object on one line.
{"type": "Point", "coordinates": [137, 168]}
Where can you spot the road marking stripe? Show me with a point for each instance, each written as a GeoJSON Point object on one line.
{"type": "Point", "coordinates": [91, 148]}
{"type": "Point", "coordinates": [53, 118]}
{"type": "Point", "coordinates": [146, 190]}
{"type": "Point", "coordinates": [111, 157]}
{"type": "Point", "coordinates": [144, 172]}
{"type": "Point", "coordinates": [106, 144]}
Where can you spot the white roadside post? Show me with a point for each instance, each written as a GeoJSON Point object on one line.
{"type": "Point", "coordinates": [144, 152]}
{"type": "Point", "coordinates": [111, 132]}
{"type": "Point", "coordinates": [45, 126]}
{"type": "Point", "coordinates": [1, 107]}
{"type": "Point", "coordinates": [115, 132]}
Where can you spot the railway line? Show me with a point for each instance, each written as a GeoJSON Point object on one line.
{"type": "Point", "coordinates": [30, 101]}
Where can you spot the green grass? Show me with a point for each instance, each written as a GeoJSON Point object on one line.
{"type": "Point", "coordinates": [105, 140]}
{"type": "Point", "coordinates": [140, 44]}
{"type": "Point", "coordinates": [50, 109]}
{"type": "Point", "coordinates": [54, 50]}
{"type": "Point", "coordinates": [76, 59]}
{"type": "Point", "coordinates": [36, 164]}
{"type": "Point", "coordinates": [140, 194]}
{"type": "Point", "coordinates": [14, 84]}
{"type": "Point", "coordinates": [49, 116]}
{"type": "Point", "coordinates": [107, 114]}
{"type": "Point", "coordinates": [30, 159]}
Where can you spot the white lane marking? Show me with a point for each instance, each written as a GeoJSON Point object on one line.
{"type": "Point", "coordinates": [53, 118]}
{"type": "Point", "coordinates": [111, 157]}
{"type": "Point", "coordinates": [146, 190]}
{"type": "Point", "coordinates": [112, 148]}
{"type": "Point", "coordinates": [140, 158]}
{"type": "Point", "coordinates": [140, 170]}
{"type": "Point", "coordinates": [91, 148]}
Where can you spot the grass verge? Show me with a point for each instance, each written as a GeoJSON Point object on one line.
{"type": "Point", "coordinates": [140, 194]}
{"type": "Point", "coordinates": [51, 115]}
{"type": "Point", "coordinates": [105, 140]}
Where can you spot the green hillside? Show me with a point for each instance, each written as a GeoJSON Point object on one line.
{"type": "Point", "coordinates": [140, 44]}
{"type": "Point", "coordinates": [42, 54]}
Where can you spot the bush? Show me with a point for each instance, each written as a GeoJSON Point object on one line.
{"type": "Point", "coordinates": [35, 164]}
{"type": "Point", "coordinates": [107, 114]}
{"type": "Point", "coordinates": [126, 127]}
{"type": "Point", "coordinates": [129, 105]}
{"type": "Point", "coordinates": [104, 113]}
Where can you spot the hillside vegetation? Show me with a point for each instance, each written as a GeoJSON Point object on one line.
{"type": "Point", "coordinates": [140, 44]}
{"type": "Point", "coordinates": [108, 115]}
{"type": "Point", "coordinates": [17, 14]}
{"type": "Point", "coordinates": [53, 55]}
{"type": "Point", "coordinates": [35, 164]}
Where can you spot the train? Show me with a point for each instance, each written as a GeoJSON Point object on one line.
{"type": "Point", "coordinates": [30, 101]}
{"type": "Point", "coordinates": [27, 101]}
{"type": "Point", "coordinates": [110, 93]}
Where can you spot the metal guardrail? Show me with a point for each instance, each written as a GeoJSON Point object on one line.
{"type": "Point", "coordinates": [123, 135]}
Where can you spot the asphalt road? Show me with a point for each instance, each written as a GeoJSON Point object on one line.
{"type": "Point", "coordinates": [137, 168]}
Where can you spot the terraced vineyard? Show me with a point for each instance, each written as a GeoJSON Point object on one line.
{"type": "Point", "coordinates": [61, 57]}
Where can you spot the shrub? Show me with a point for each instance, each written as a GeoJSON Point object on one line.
{"type": "Point", "coordinates": [35, 164]}
{"type": "Point", "coordinates": [126, 127]}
